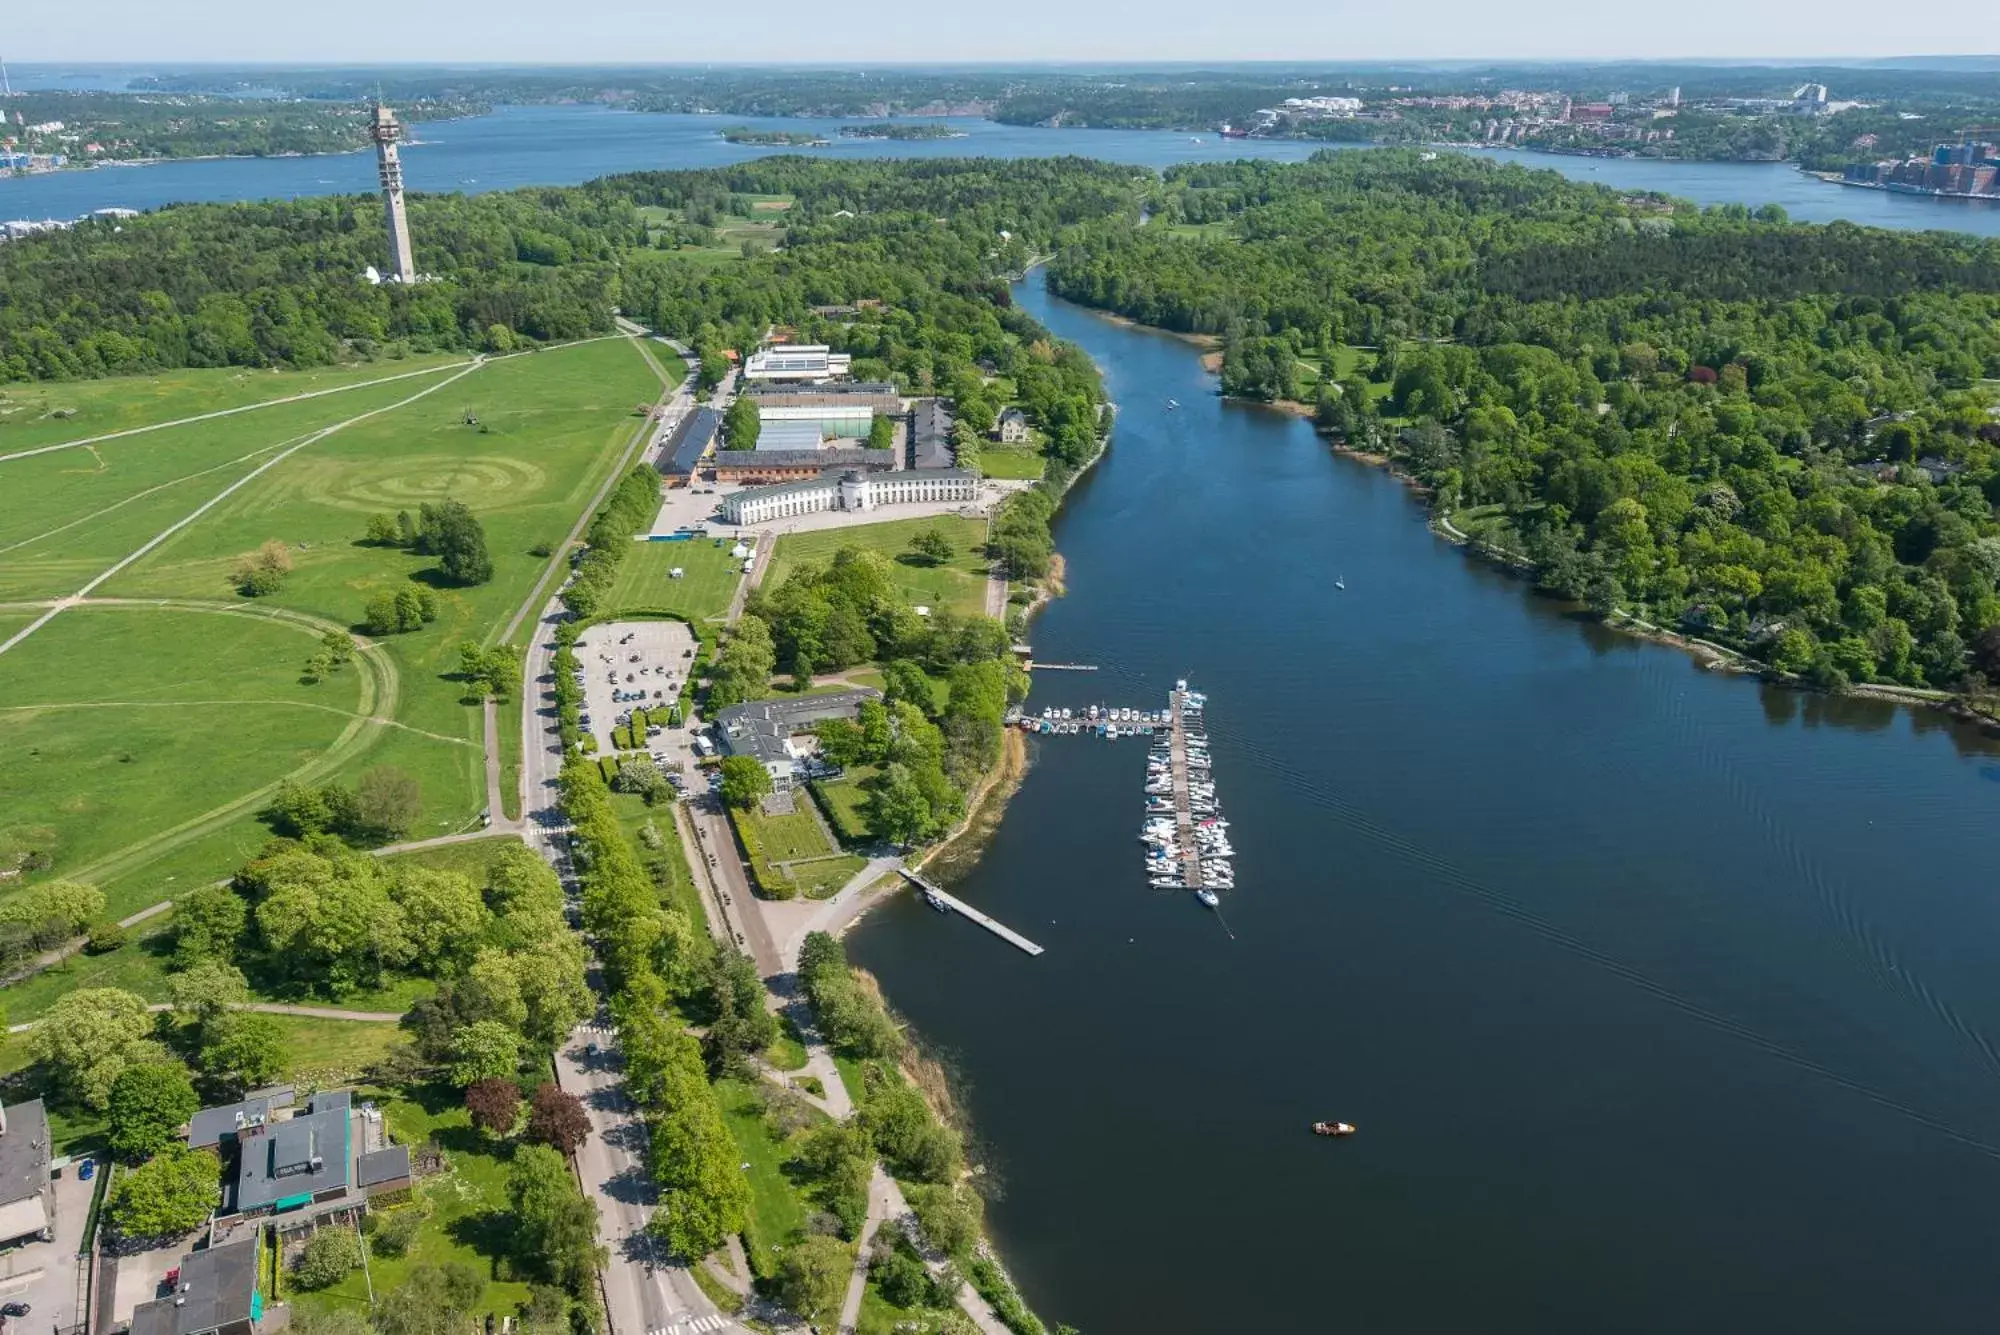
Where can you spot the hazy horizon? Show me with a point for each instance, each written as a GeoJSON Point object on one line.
{"type": "Point", "coordinates": [627, 33]}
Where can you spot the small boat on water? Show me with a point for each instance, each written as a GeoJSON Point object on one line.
{"type": "Point", "coordinates": [1340, 581]}
{"type": "Point", "coordinates": [1175, 403]}
{"type": "Point", "coordinates": [936, 903]}
{"type": "Point", "coordinates": [1208, 897]}
{"type": "Point", "coordinates": [1332, 1129]}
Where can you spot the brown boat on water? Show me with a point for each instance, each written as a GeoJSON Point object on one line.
{"type": "Point", "coordinates": [1332, 1129]}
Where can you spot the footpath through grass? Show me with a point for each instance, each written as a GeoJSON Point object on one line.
{"type": "Point", "coordinates": [959, 584]}
{"type": "Point", "coordinates": [194, 713]}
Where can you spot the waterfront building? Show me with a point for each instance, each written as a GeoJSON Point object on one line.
{"type": "Point", "coordinates": [803, 361]}
{"type": "Point", "coordinates": [385, 130]}
{"type": "Point", "coordinates": [1014, 426]}
{"type": "Point", "coordinates": [850, 490]}
{"type": "Point", "coordinates": [774, 732]}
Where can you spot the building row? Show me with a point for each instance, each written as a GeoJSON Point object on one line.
{"type": "Point", "coordinates": [851, 490]}
{"type": "Point", "coordinates": [1952, 169]}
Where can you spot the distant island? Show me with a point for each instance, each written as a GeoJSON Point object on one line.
{"type": "Point", "coordinates": [743, 134]}
{"type": "Point", "coordinates": [892, 130]}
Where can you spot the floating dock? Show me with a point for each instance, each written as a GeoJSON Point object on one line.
{"type": "Point", "coordinates": [938, 897]}
{"type": "Point", "coordinates": [1177, 751]}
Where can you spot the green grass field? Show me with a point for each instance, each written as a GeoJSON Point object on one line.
{"type": "Point", "coordinates": [778, 1210]}
{"type": "Point", "coordinates": [959, 584]}
{"type": "Point", "coordinates": [1011, 462]}
{"type": "Point", "coordinates": [842, 801]}
{"type": "Point", "coordinates": [814, 867]}
{"type": "Point", "coordinates": [98, 407]}
{"type": "Point", "coordinates": [702, 592]}
{"type": "Point", "coordinates": [139, 742]}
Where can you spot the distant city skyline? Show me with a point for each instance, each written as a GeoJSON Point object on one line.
{"type": "Point", "coordinates": [892, 31]}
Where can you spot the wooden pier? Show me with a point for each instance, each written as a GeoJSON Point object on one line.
{"type": "Point", "coordinates": [1177, 755]}
{"type": "Point", "coordinates": [959, 906]}
{"type": "Point", "coordinates": [1033, 666]}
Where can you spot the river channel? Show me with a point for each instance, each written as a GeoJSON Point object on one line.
{"type": "Point", "coordinates": [1663, 1001]}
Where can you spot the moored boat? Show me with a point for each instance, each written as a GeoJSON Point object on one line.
{"type": "Point", "coordinates": [1332, 1129]}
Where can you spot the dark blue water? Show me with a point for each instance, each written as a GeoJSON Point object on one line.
{"type": "Point", "coordinates": [565, 145]}
{"type": "Point", "coordinates": [1663, 1002]}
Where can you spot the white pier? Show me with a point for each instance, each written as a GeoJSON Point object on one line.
{"type": "Point", "coordinates": [959, 906]}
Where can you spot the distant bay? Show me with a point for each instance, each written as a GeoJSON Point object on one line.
{"type": "Point", "coordinates": [520, 146]}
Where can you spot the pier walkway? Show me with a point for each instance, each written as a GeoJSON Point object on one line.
{"type": "Point", "coordinates": [959, 906]}
{"type": "Point", "coordinates": [1183, 817]}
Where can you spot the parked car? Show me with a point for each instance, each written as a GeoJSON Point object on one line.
{"type": "Point", "coordinates": [87, 1170]}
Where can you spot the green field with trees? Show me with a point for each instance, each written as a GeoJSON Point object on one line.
{"type": "Point", "coordinates": [956, 582]}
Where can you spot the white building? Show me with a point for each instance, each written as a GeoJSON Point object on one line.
{"type": "Point", "coordinates": [852, 490]}
{"type": "Point", "coordinates": [796, 361]}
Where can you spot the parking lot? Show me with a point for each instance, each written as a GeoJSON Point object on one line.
{"type": "Point", "coordinates": [43, 1274]}
{"type": "Point", "coordinates": [626, 659]}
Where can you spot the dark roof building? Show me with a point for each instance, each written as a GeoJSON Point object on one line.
{"type": "Point", "coordinates": [388, 1167]}
{"type": "Point", "coordinates": [691, 439]}
{"type": "Point", "coordinates": [27, 1199]}
{"type": "Point", "coordinates": [752, 466]}
{"type": "Point", "coordinates": [211, 1126]}
{"type": "Point", "coordinates": [764, 728]}
{"type": "Point", "coordinates": [286, 1165]}
{"type": "Point", "coordinates": [877, 394]}
{"type": "Point", "coordinates": [216, 1294]}
{"type": "Point", "coordinates": [930, 435]}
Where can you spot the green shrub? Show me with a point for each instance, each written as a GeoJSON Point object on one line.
{"type": "Point", "coordinates": [104, 938]}
{"type": "Point", "coordinates": [328, 1258]}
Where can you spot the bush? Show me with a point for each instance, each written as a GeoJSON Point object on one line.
{"type": "Point", "coordinates": [328, 1258]}
{"type": "Point", "coordinates": [396, 1230]}
{"type": "Point", "coordinates": [104, 938]}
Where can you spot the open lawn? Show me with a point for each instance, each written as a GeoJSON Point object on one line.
{"type": "Point", "coordinates": [84, 509]}
{"type": "Point", "coordinates": [124, 723]}
{"type": "Point", "coordinates": [959, 584]}
{"type": "Point", "coordinates": [139, 742]}
{"type": "Point", "coordinates": [703, 591]}
{"type": "Point", "coordinates": [778, 1210]}
{"type": "Point", "coordinates": [1008, 461]}
{"type": "Point", "coordinates": [657, 841]}
{"type": "Point", "coordinates": [139, 966]}
{"type": "Point", "coordinates": [812, 866]}
{"type": "Point", "coordinates": [842, 801]}
{"type": "Point", "coordinates": [467, 1205]}
{"type": "Point", "coordinates": [28, 412]}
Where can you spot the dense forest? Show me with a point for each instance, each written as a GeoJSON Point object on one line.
{"type": "Point", "coordinates": [98, 126]}
{"type": "Point", "coordinates": [1776, 435]}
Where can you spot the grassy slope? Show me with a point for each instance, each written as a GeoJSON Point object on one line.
{"type": "Point", "coordinates": [87, 508]}
{"type": "Point", "coordinates": [127, 402]}
{"type": "Point", "coordinates": [173, 713]}
{"type": "Point", "coordinates": [959, 583]}
{"type": "Point", "coordinates": [555, 423]}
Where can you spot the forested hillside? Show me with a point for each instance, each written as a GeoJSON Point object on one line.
{"type": "Point", "coordinates": [1778, 435]}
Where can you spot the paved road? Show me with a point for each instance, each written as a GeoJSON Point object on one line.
{"type": "Point", "coordinates": [643, 1293]}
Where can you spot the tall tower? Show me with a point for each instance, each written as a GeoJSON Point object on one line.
{"type": "Point", "coordinates": [385, 130]}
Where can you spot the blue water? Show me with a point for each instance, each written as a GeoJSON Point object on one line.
{"type": "Point", "coordinates": [566, 145]}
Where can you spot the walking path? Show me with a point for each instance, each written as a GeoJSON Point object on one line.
{"type": "Point", "coordinates": [268, 1008]}
{"type": "Point", "coordinates": [221, 412]}
{"type": "Point", "coordinates": [315, 437]}
{"type": "Point", "coordinates": [857, 1283]}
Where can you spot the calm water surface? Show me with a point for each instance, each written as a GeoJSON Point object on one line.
{"type": "Point", "coordinates": [1664, 1002]}
{"type": "Point", "coordinates": [565, 145]}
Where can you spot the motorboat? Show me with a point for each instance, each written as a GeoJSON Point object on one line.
{"type": "Point", "coordinates": [1208, 897]}
{"type": "Point", "coordinates": [1332, 1129]}
{"type": "Point", "coordinates": [1339, 581]}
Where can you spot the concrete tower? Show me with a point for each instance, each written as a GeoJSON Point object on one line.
{"type": "Point", "coordinates": [385, 130]}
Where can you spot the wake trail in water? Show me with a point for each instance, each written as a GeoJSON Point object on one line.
{"type": "Point", "coordinates": [1513, 910]}
{"type": "Point", "coordinates": [1857, 936]}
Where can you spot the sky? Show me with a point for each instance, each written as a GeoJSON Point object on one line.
{"type": "Point", "coordinates": [881, 31]}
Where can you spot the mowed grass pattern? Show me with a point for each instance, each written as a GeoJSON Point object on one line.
{"type": "Point", "coordinates": [553, 424]}
{"type": "Point", "coordinates": [959, 584]}
{"type": "Point", "coordinates": [87, 508]}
